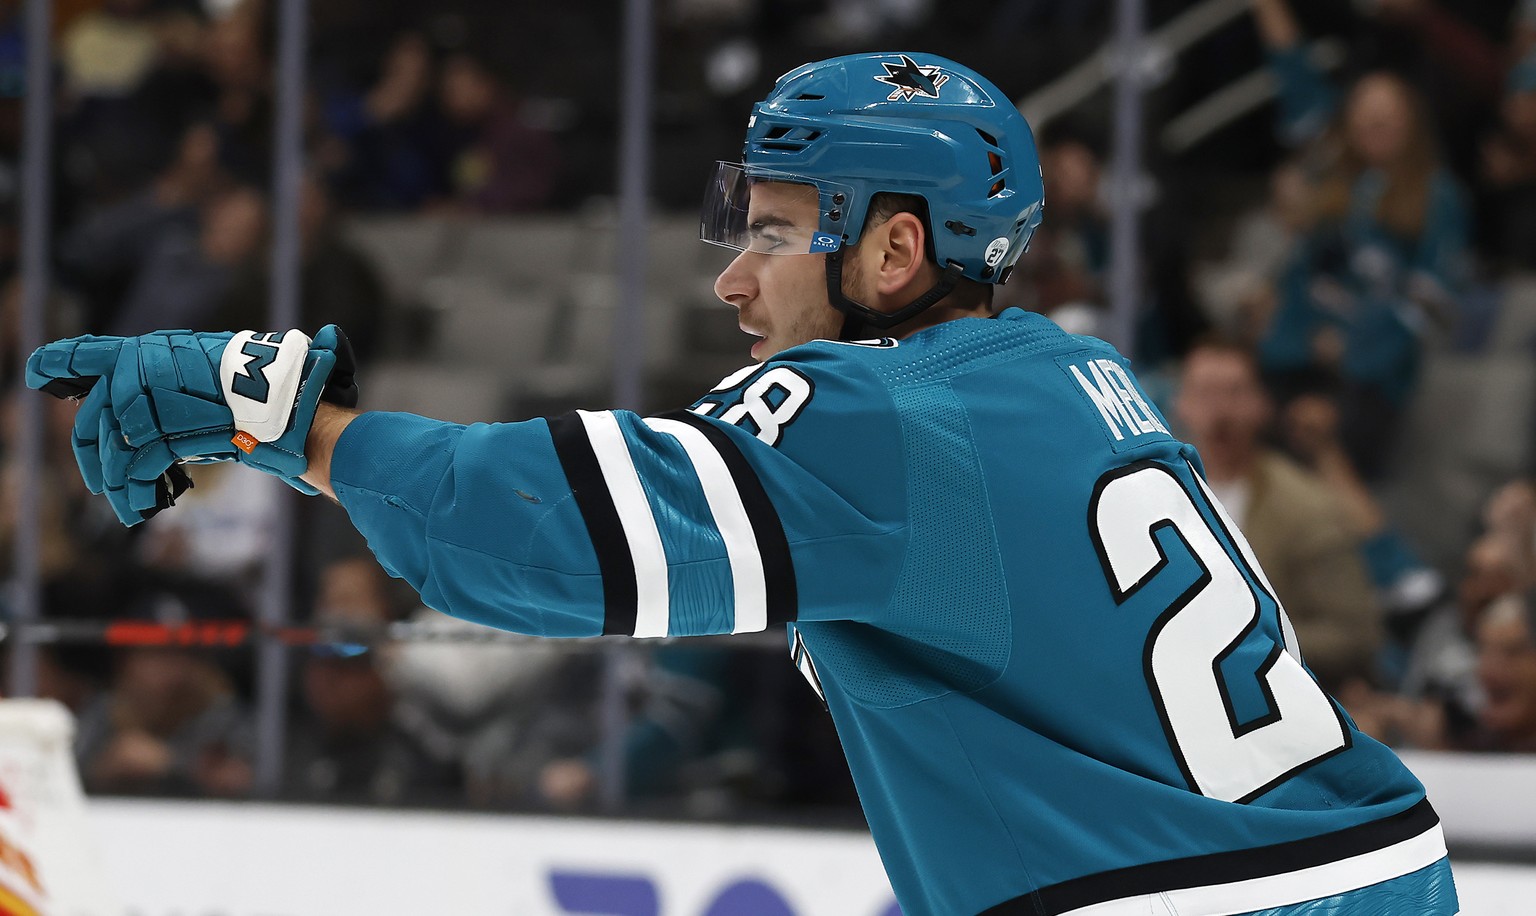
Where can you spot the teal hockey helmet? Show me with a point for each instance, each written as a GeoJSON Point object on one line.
{"type": "Point", "coordinates": [905, 123]}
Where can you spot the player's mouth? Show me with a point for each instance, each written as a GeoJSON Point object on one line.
{"type": "Point", "coordinates": [761, 339]}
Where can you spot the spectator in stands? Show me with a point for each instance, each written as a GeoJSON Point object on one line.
{"type": "Point", "coordinates": [389, 152]}
{"type": "Point", "coordinates": [500, 162]}
{"type": "Point", "coordinates": [1439, 699]}
{"type": "Point", "coordinates": [109, 51]}
{"type": "Point", "coordinates": [82, 561]}
{"type": "Point", "coordinates": [1385, 250]}
{"type": "Point", "coordinates": [170, 723]}
{"type": "Point", "coordinates": [181, 285]}
{"type": "Point", "coordinates": [506, 709]}
{"type": "Point", "coordinates": [1506, 669]}
{"type": "Point", "coordinates": [1287, 514]}
{"type": "Point", "coordinates": [350, 744]}
{"type": "Point", "coordinates": [1508, 175]}
{"type": "Point", "coordinates": [124, 93]}
{"type": "Point", "coordinates": [1503, 674]}
{"type": "Point", "coordinates": [223, 534]}
{"type": "Point", "coordinates": [77, 546]}
{"type": "Point", "coordinates": [1407, 588]}
{"type": "Point", "coordinates": [681, 699]}
{"type": "Point", "coordinates": [238, 63]}
{"type": "Point", "coordinates": [716, 733]}
{"type": "Point", "coordinates": [1063, 276]}
{"type": "Point", "coordinates": [338, 283]}
{"type": "Point", "coordinates": [1238, 293]}
{"type": "Point", "coordinates": [108, 250]}
{"type": "Point", "coordinates": [1510, 515]}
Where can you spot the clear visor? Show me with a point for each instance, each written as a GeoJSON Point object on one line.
{"type": "Point", "coordinates": [765, 212]}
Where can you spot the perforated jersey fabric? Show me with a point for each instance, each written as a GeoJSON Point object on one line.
{"type": "Point", "coordinates": [1060, 678]}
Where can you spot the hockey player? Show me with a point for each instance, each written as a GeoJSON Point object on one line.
{"type": "Point", "coordinates": [1062, 682]}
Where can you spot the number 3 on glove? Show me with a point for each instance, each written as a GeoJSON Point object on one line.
{"type": "Point", "coordinates": [154, 401]}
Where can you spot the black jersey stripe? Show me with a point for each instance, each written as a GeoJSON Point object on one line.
{"type": "Point", "coordinates": [772, 544]}
{"type": "Point", "coordinates": [1221, 867]}
{"type": "Point", "coordinates": [578, 459]}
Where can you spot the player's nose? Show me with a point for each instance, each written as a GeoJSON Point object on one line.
{"type": "Point", "coordinates": [737, 284]}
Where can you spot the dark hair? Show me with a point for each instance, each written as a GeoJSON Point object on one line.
{"type": "Point", "coordinates": [887, 204]}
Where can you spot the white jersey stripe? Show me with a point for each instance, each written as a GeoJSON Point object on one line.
{"type": "Point", "coordinates": [747, 579]}
{"type": "Point", "coordinates": [1272, 891]}
{"type": "Point", "coordinates": [653, 604]}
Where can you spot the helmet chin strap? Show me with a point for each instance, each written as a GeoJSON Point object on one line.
{"type": "Point", "coordinates": [859, 318]}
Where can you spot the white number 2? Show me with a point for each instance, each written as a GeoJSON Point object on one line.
{"type": "Point", "coordinates": [1220, 757]}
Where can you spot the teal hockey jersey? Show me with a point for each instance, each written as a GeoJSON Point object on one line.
{"type": "Point", "coordinates": [1059, 675]}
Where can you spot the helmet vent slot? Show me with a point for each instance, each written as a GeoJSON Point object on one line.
{"type": "Point", "coordinates": [996, 162]}
{"type": "Point", "coordinates": [991, 140]}
{"type": "Point", "coordinates": [787, 138]}
{"type": "Point", "coordinates": [809, 97]}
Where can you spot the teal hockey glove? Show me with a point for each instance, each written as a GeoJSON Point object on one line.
{"type": "Point", "coordinates": [155, 401]}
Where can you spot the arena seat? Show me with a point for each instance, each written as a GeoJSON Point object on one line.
{"type": "Point", "coordinates": [1467, 432]}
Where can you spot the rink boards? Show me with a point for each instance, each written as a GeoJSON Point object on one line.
{"type": "Point", "coordinates": [217, 859]}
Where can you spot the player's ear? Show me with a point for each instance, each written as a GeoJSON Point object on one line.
{"type": "Point", "coordinates": [903, 242]}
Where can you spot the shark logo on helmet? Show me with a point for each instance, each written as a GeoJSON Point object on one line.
{"type": "Point", "coordinates": [911, 80]}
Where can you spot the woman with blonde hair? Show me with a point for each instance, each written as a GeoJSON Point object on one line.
{"type": "Point", "coordinates": [1382, 257]}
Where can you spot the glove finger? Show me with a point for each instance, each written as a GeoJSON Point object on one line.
{"type": "Point", "coordinates": [117, 498]}
{"type": "Point", "coordinates": [114, 457]}
{"type": "Point", "coordinates": [214, 445]}
{"type": "Point", "coordinates": [167, 488]}
{"type": "Point", "coordinates": [137, 471]}
{"type": "Point", "coordinates": [197, 368]}
{"type": "Point", "coordinates": [150, 462]}
{"type": "Point", "coordinates": [83, 438]}
{"type": "Point", "coordinates": [66, 368]}
{"type": "Point", "coordinates": [156, 360]}
{"type": "Point", "coordinates": [146, 497]}
{"type": "Point", "coordinates": [126, 383]}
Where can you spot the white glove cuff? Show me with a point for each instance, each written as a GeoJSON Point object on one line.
{"type": "Point", "coordinates": [261, 374]}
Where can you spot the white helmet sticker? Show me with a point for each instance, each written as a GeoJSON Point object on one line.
{"type": "Point", "coordinates": [996, 251]}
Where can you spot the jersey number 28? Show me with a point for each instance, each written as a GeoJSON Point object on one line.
{"type": "Point", "coordinates": [1220, 756]}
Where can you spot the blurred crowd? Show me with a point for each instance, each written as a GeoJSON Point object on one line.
{"type": "Point", "coordinates": [1302, 266]}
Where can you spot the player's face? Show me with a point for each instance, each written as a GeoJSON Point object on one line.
{"type": "Point", "coordinates": [781, 298]}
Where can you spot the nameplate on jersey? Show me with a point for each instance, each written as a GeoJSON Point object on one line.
{"type": "Point", "coordinates": [763, 400]}
{"type": "Point", "coordinates": [1123, 409]}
